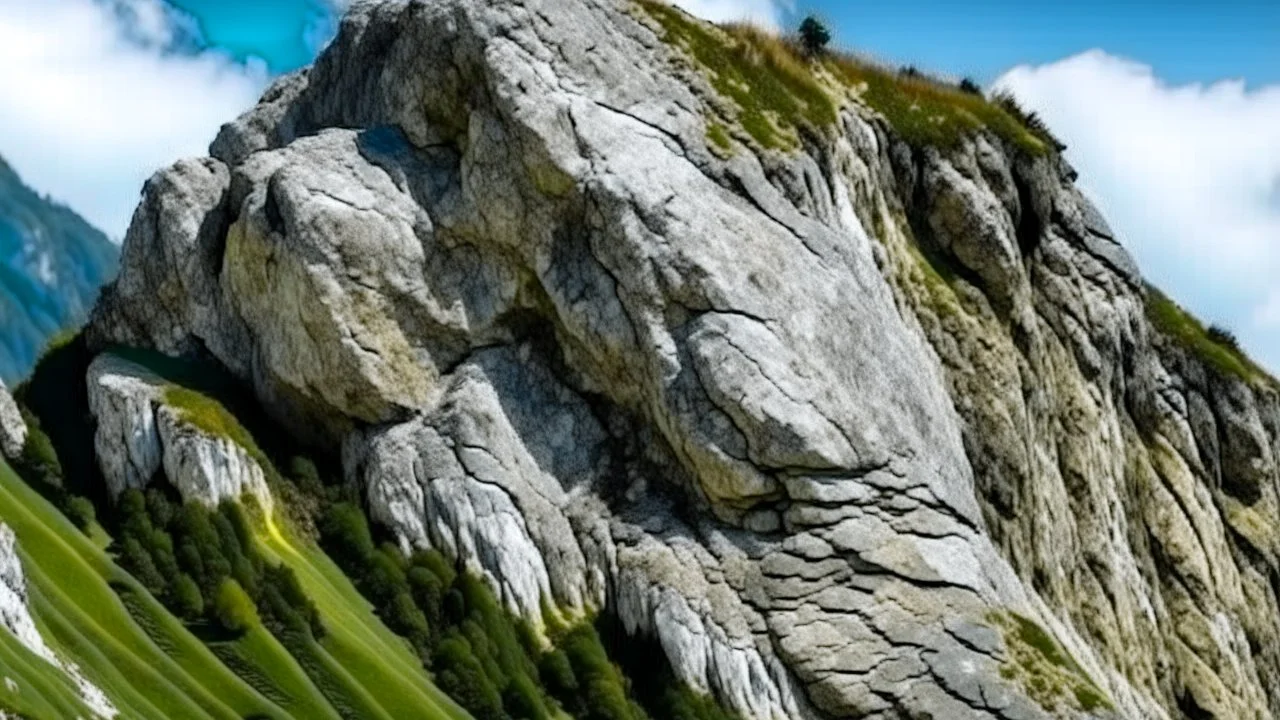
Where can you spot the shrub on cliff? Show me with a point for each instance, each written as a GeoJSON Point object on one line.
{"type": "Point", "coordinates": [1224, 337]}
{"type": "Point", "coordinates": [814, 36]}
{"type": "Point", "coordinates": [233, 608]}
{"type": "Point", "coordinates": [187, 601]}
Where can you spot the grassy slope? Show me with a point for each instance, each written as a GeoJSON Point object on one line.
{"type": "Point", "coordinates": [358, 645]}
{"type": "Point", "coordinates": [153, 667]}
{"type": "Point", "coordinates": [82, 617]}
{"type": "Point", "coordinates": [31, 687]}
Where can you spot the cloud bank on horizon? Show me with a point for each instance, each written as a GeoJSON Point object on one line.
{"type": "Point", "coordinates": [96, 95]}
{"type": "Point", "coordinates": [1189, 176]}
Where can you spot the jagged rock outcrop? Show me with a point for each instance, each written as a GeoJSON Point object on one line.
{"type": "Point", "coordinates": [13, 429]}
{"type": "Point", "coordinates": [15, 617]}
{"type": "Point", "coordinates": [728, 396]}
{"type": "Point", "coordinates": [140, 432]}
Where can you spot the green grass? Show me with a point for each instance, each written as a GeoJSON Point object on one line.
{"type": "Point", "coordinates": [1184, 329]}
{"type": "Point", "coordinates": [373, 657]}
{"type": "Point", "coordinates": [1044, 668]}
{"type": "Point", "coordinates": [927, 112]}
{"type": "Point", "coordinates": [778, 89]}
{"type": "Point", "coordinates": [82, 618]}
{"type": "Point", "coordinates": [152, 666]}
{"type": "Point", "coordinates": [276, 674]}
{"type": "Point", "coordinates": [719, 137]}
{"type": "Point", "coordinates": [211, 416]}
{"type": "Point", "coordinates": [775, 93]}
{"type": "Point", "coordinates": [32, 687]}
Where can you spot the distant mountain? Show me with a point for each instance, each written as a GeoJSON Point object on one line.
{"type": "Point", "coordinates": [52, 264]}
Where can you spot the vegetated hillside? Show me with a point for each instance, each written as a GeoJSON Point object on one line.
{"type": "Point", "coordinates": [52, 264]}
{"type": "Point", "coordinates": [577, 358]}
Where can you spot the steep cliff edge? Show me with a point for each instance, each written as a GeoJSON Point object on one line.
{"type": "Point", "coordinates": [860, 414]}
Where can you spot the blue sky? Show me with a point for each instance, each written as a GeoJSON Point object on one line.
{"type": "Point", "coordinates": [1185, 41]}
{"type": "Point", "coordinates": [1171, 109]}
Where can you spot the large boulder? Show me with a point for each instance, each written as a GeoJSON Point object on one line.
{"type": "Point", "coordinates": [145, 431]}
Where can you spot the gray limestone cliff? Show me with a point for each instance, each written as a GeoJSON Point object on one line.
{"type": "Point", "coordinates": [854, 427]}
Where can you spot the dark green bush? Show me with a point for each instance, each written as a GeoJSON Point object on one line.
{"type": "Point", "coordinates": [39, 461]}
{"type": "Point", "coordinates": [303, 471]}
{"type": "Point", "coordinates": [134, 557]}
{"type": "Point", "coordinates": [971, 86]}
{"type": "Point", "coordinates": [814, 36]}
{"type": "Point", "coordinates": [384, 578]}
{"type": "Point", "coordinates": [604, 692]}
{"type": "Point", "coordinates": [460, 675]}
{"type": "Point", "coordinates": [187, 601]}
{"type": "Point", "coordinates": [557, 673]}
{"type": "Point", "coordinates": [345, 535]}
{"type": "Point", "coordinates": [1224, 337]}
{"type": "Point", "coordinates": [81, 511]}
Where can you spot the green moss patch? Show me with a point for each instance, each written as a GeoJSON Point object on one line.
{"type": "Point", "coordinates": [1183, 328]}
{"type": "Point", "coordinates": [210, 416]}
{"type": "Point", "coordinates": [719, 137]}
{"type": "Point", "coordinates": [1044, 668]}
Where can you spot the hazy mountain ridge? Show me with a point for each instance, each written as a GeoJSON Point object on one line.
{"type": "Point", "coordinates": [52, 265]}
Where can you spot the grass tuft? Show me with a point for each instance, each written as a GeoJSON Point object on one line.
{"type": "Point", "coordinates": [926, 111]}
{"type": "Point", "coordinates": [773, 86]}
{"type": "Point", "coordinates": [1045, 670]}
{"type": "Point", "coordinates": [1216, 348]}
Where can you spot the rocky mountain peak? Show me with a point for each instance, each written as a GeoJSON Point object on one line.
{"type": "Point", "coordinates": [857, 413]}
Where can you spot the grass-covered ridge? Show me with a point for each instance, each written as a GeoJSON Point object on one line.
{"type": "Point", "coordinates": [775, 92]}
{"type": "Point", "coordinates": [1211, 347]}
{"type": "Point", "coordinates": [779, 90]}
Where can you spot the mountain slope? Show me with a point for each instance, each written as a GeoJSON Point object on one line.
{"type": "Point", "coordinates": [821, 391]}
{"type": "Point", "coordinates": [52, 264]}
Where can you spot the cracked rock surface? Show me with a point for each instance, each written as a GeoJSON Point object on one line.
{"type": "Point", "coordinates": [139, 433]}
{"type": "Point", "coordinates": [484, 248]}
{"type": "Point", "coordinates": [13, 429]}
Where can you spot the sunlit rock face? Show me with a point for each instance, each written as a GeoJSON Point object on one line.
{"type": "Point", "coordinates": [141, 436]}
{"type": "Point", "coordinates": [855, 429]}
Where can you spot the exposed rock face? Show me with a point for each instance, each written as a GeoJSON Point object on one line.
{"type": "Point", "coordinates": [486, 247]}
{"type": "Point", "coordinates": [15, 617]}
{"type": "Point", "coordinates": [13, 429]}
{"type": "Point", "coordinates": [139, 433]}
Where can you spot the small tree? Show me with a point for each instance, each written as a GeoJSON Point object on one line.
{"type": "Point", "coordinates": [1223, 337]}
{"type": "Point", "coordinates": [971, 86]}
{"type": "Point", "coordinates": [186, 598]}
{"type": "Point", "coordinates": [233, 608]}
{"type": "Point", "coordinates": [814, 36]}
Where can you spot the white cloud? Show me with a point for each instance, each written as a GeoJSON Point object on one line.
{"type": "Point", "coordinates": [98, 94]}
{"type": "Point", "coordinates": [1188, 175]}
{"type": "Point", "coordinates": [765, 12]}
